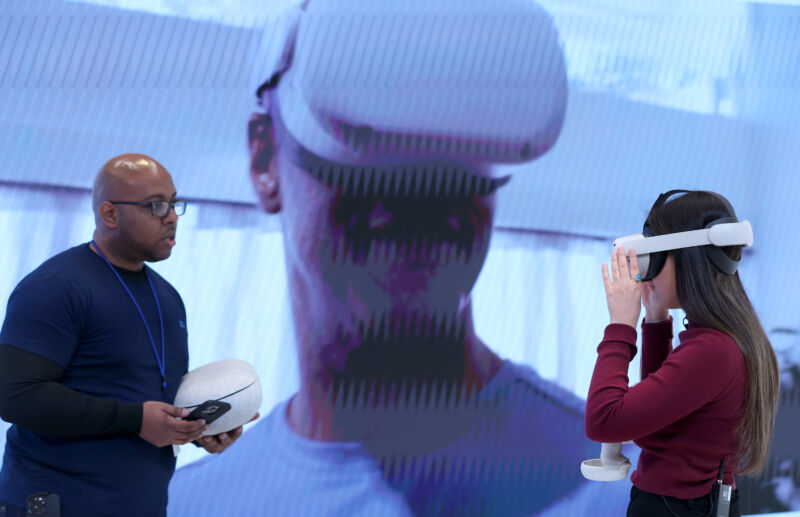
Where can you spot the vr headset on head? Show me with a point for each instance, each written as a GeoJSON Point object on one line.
{"type": "Point", "coordinates": [651, 250]}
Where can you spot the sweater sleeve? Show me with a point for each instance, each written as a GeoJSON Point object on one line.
{"type": "Point", "coordinates": [692, 375]}
{"type": "Point", "coordinates": [656, 345]}
{"type": "Point", "coordinates": [32, 397]}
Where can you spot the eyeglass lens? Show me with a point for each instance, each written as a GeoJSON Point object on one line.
{"type": "Point", "coordinates": [161, 208]}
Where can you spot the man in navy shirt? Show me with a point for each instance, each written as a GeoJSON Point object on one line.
{"type": "Point", "coordinates": [92, 351]}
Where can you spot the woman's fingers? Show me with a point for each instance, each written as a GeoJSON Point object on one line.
{"type": "Point", "coordinates": [615, 266]}
{"type": "Point", "coordinates": [623, 292]}
{"type": "Point", "coordinates": [634, 265]}
{"type": "Point", "coordinates": [622, 259]}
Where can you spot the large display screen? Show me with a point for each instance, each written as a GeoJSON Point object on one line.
{"type": "Point", "coordinates": [659, 95]}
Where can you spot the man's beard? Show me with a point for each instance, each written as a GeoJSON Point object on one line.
{"type": "Point", "coordinates": [395, 388]}
{"type": "Point", "coordinates": [400, 357]}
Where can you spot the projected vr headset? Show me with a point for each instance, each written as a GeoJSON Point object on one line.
{"type": "Point", "coordinates": [651, 250]}
{"type": "Point", "coordinates": [407, 123]}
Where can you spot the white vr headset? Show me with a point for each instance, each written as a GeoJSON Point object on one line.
{"type": "Point", "coordinates": [651, 251]}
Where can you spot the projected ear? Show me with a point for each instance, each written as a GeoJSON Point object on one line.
{"type": "Point", "coordinates": [263, 165]}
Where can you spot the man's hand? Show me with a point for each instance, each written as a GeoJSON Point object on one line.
{"type": "Point", "coordinates": [161, 427]}
{"type": "Point", "coordinates": [218, 443]}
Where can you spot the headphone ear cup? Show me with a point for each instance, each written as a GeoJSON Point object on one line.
{"type": "Point", "coordinates": [718, 257]}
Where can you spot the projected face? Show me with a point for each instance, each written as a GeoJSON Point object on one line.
{"type": "Point", "coordinates": [373, 266]}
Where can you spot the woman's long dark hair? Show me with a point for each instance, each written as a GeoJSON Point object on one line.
{"type": "Point", "coordinates": [714, 299]}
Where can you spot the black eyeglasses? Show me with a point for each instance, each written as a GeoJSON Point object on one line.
{"type": "Point", "coordinates": [159, 208]}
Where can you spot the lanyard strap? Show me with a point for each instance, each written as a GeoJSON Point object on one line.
{"type": "Point", "coordinates": [161, 361]}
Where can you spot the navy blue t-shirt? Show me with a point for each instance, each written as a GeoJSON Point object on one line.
{"type": "Point", "coordinates": [73, 310]}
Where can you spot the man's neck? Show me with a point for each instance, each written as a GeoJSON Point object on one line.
{"type": "Point", "coordinates": [117, 259]}
{"type": "Point", "coordinates": [321, 410]}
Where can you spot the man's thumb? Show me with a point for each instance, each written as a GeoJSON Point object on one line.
{"type": "Point", "coordinates": [177, 412]}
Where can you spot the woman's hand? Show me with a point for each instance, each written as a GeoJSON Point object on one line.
{"type": "Point", "coordinates": [652, 310]}
{"type": "Point", "coordinates": [623, 291]}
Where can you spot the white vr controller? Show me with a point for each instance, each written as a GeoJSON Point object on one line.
{"type": "Point", "coordinates": [610, 466]}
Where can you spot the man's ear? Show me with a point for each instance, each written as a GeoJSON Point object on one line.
{"type": "Point", "coordinates": [109, 214]}
{"type": "Point", "coordinates": [263, 162]}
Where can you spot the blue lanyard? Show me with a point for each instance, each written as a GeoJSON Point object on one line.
{"type": "Point", "coordinates": [161, 361]}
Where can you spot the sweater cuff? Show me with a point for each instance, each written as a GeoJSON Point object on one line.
{"type": "Point", "coordinates": [657, 329]}
{"type": "Point", "coordinates": [620, 333]}
{"type": "Point", "coordinates": [660, 322]}
{"type": "Point", "coordinates": [129, 417]}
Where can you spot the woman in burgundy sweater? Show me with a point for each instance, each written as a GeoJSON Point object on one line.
{"type": "Point", "coordinates": [710, 401]}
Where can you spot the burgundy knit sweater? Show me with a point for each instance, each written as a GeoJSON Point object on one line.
{"type": "Point", "coordinates": [684, 412]}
